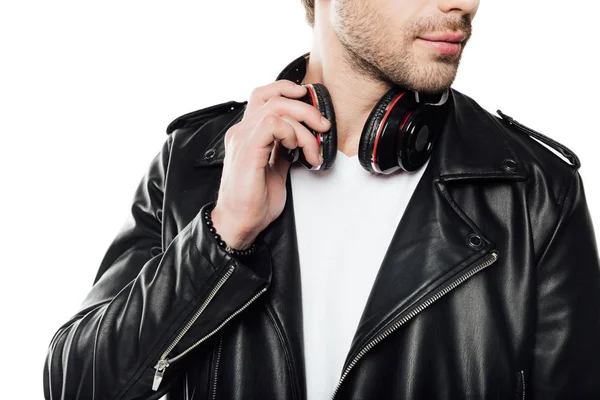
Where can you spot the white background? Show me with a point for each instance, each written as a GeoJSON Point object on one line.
{"type": "Point", "coordinates": [87, 90]}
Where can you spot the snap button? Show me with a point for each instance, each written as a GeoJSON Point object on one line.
{"type": "Point", "coordinates": [474, 240]}
{"type": "Point", "coordinates": [209, 154]}
{"type": "Point", "coordinates": [509, 165]}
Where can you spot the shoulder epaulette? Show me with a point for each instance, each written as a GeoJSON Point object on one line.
{"type": "Point", "coordinates": [562, 149]}
{"type": "Point", "coordinates": [198, 117]}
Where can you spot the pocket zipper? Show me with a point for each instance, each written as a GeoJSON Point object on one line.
{"type": "Point", "coordinates": [165, 362]}
{"type": "Point", "coordinates": [522, 386]}
{"type": "Point", "coordinates": [216, 373]}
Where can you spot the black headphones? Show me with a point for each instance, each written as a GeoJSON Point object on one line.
{"type": "Point", "coordinates": [399, 133]}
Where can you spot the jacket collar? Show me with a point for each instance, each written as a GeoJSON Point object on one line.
{"type": "Point", "coordinates": [473, 145]}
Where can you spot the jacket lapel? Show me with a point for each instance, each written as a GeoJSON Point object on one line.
{"type": "Point", "coordinates": [429, 247]}
{"type": "Point", "coordinates": [433, 244]}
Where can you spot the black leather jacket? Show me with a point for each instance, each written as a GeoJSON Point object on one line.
{"type": "Point", "coordinates": [490, 288]}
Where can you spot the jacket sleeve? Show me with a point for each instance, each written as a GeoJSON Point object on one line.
{"type": "Point", "coordinates": [143, 297]}
{"type": "Point", "coordinates": [566, 358]}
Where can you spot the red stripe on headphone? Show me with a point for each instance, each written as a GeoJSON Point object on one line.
{"type": "Point", "coordinates": [405, 119]}
{"type": "Point", "coordinates": [380, 129]}
{"type": "Point", "coordinates": [311, 90]}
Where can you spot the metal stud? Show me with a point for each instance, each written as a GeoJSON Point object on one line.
{"type": "Point", "coordinates": [210, 153]}
{"type": "Point", "coordinates": [474, 240]}
{"type": "Point", "coordinates": [509, 165]}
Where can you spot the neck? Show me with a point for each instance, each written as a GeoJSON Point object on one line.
{"type": "Point", "coordinates": [353, 94]}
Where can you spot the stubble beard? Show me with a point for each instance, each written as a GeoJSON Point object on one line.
{"type": "Point", "coordinates": [398, 62]}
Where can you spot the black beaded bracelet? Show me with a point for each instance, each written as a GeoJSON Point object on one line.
{"type": "Point", "coordinates": [234, 252]}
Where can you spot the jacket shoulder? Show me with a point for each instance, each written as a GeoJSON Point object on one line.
{"type": "Point", "coordinates": [197, 118]}
{"type": "Point", "coordinates": [541, 155]}
{"type": "Point", "coordinates": [520, 128]}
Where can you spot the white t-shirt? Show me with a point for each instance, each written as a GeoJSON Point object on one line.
{"type": "Point", "coordinates": [345, 220]}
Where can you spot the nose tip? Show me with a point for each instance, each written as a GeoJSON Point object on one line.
{"type": "Point", "coordinates": [463, 6]}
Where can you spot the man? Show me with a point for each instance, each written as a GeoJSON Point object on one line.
{"type": "Point", "coordinates": [473, 276]}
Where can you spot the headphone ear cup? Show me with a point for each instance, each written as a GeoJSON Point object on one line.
{"type": "Point", "coordinates": [377, 144]}
{"type": "Point", "coordinates": [318, 96]}
{"type": "Point", "coordinates": [329, 138]}
{"type": "Point", "coordinates": [417, 137]}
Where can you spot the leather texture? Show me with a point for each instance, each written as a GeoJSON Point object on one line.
{"type": "Point", "coordinates": [365, 147]}
{"type": "Point", "coordinates": [329, 138]}
{"type": "Point", "coordinates": [490, 288]}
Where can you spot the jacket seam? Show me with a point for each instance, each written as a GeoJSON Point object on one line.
{"type": "Point", "coordinates": [456, 209]}
{"type": "Point", "coordinates": [170, 140]}
{"type": "Point", "coordinates": [558, 221]}
{"type": "Point", "coordinates": [567, 190]}
{"type": "Point", "coordinates": [105, 305]}
{"type": "Point", "coordinates": [478, 174]}
{"type": "Point", "coordinates": [193, 235]}
{"type": "Point", "coordinates": [289, 357]}
{"type": "Point", "coordinates": [492, 173]}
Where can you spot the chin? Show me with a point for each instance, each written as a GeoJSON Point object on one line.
{"type": "Point", "coordinates": [433, 78]}
{"type": "Point", "coordinates": [432, 85]}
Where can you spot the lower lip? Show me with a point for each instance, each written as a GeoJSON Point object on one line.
{"type": "Point", "coordinates": [447, 48]}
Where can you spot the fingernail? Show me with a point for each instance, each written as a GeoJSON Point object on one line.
{"type": "Point", "coordinates": [324, 121]}
{"type": "Point", "coordinates": [320, 159]}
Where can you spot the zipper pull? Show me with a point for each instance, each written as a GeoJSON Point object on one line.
{"type": "Point", "coordinates": [160, 372]}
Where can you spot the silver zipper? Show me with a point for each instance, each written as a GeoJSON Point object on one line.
{"type": "Point", "coordinates": [523, 381]}
{"type": "Point", "coordinates": [163, 362]}
{"type": "Point", "coordinates": [489, 261]}
{"type": "Point", "coordinates": [216, 375]}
